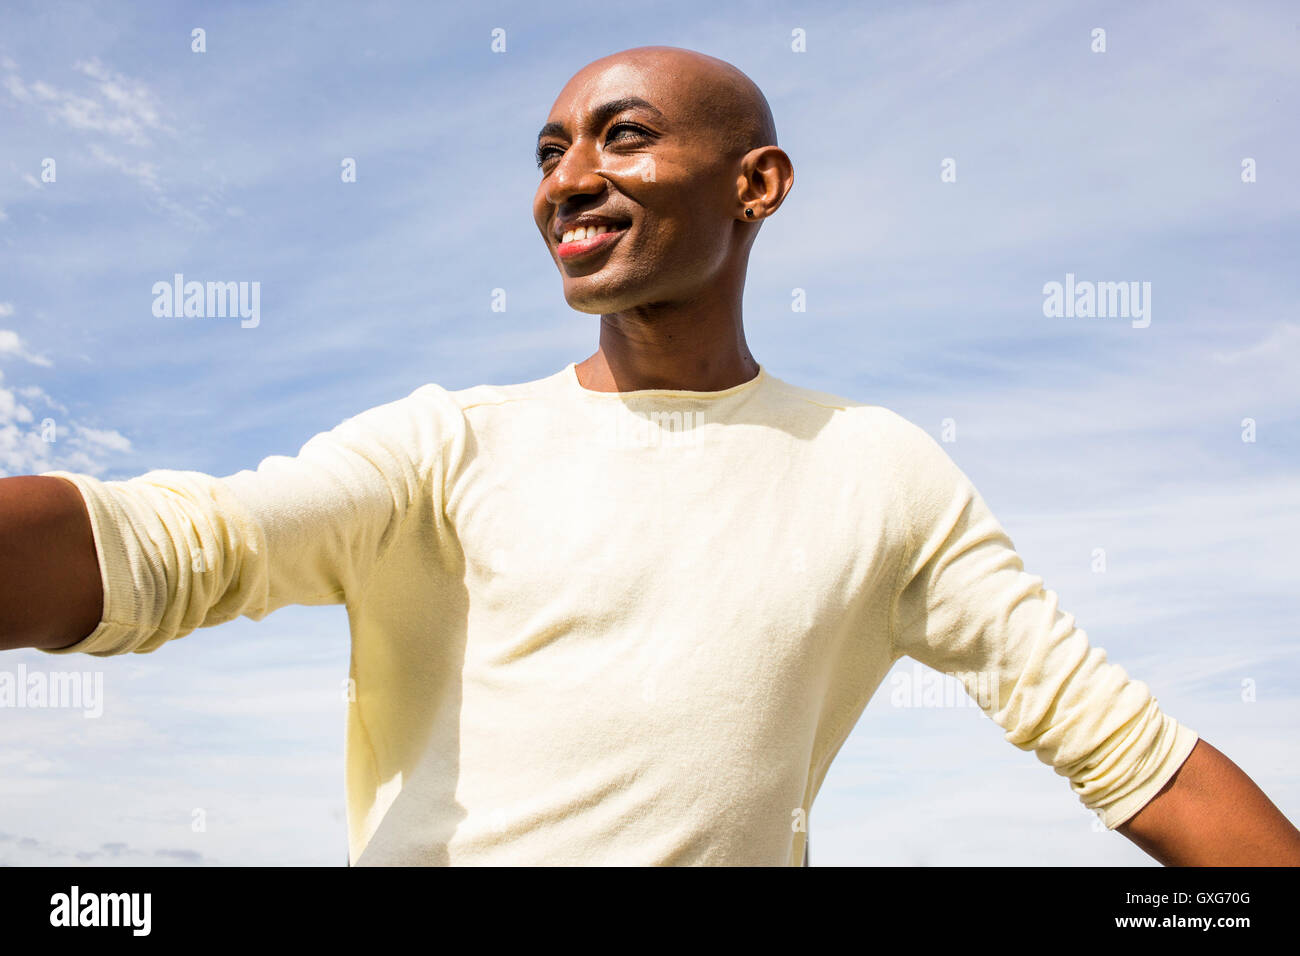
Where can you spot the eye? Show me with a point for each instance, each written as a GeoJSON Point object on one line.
{"type": "Point", "coordinates": [629, 127]}
{"type": "Point", "coordinates": [545, 153]}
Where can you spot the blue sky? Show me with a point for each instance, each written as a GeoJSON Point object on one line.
{"type": "Point", "coordinates": [923, 296]}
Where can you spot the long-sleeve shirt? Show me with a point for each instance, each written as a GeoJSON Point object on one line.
{"type": "Point", "coordinates": [623, 628]}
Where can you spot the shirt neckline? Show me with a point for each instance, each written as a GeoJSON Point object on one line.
{"type": "Point", "coordinates": [571, 374]}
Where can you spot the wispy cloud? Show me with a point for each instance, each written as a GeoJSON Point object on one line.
{"type": "Point", "coordinates": [112, 103]}
{"type": "Point", "coordinates": [144, 173]}
{"type": "Point", "coordinates": [29, 851]}
{"type": "Point", "coordinates": [103, 439]}
{"type": "Point", "coordinates": [113, 113]}
{"type": "Point", "coordinates": [11, 346]}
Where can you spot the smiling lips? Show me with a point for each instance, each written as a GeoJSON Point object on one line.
{"type": "Point", "coordinates": [581, 240]}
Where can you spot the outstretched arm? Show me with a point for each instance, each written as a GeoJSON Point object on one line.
{"type": "Point", "coordinates": [50, 590]}
{"type": "Point", "coordinates": [1211, 814]}
{"type": "Point", "coordinates": [112, 567]}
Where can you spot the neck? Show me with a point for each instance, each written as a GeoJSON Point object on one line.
{"type": "Point", "coordinates": [697, 345]}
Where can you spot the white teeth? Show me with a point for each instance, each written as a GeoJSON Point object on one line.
{"type": "Point", "coordinates": [588, 232]}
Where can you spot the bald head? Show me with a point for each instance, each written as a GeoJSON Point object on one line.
{"type": "Point", "coordinates": [723, 102]}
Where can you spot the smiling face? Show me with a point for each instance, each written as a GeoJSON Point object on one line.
{"type": "Point", "coordinates": [641, 194]}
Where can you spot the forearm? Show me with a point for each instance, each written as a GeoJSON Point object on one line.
{"type": "Point", "coordinates": [1212, 814]}
{"type": "Point", "coordinates": [50, 590]}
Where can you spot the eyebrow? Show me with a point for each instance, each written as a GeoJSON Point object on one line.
{"type": "Point", "coordinates": [602, 114]}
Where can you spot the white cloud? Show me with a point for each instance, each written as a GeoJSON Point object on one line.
{"type": "Point", "coordinates": [1282, 342]}
{"type": "Point", "coordinates": [131, 97]}
{"type": "Point", "coordinates": [116, 104]}
{"type": "Point", "coordinates": [11, 344]}
{"type": "Point", "coordinates": [16, 89]}
{"type": "Point", "coordinates": [37, 394]}
{"type": "Point", "coordinates": [106, 439]}
{"type": "Point", "coordinates": [29, 446]}
{"type": "Point", "coordinates": [146, 174]}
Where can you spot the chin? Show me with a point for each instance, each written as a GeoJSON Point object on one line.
{"type": "Point", "coordinates": [600, 298]}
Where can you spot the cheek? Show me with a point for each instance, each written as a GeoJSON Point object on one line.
{"type": "Point", "coordinates": [692, 200]}
{"type": "Point", "coordinates": [683, 226]}
{"type": "Point", "coordinates": [638, 169]}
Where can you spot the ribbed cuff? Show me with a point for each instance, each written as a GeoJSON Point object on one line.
{"type": "Point", "coordinates": [117, 629]}
{"type": "Point", "coordinates": [1183, 739]}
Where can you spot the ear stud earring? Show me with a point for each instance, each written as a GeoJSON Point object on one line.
{"type": "Point", "coordinates": [749, 213]}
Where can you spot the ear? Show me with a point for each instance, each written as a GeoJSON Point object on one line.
{"type": "Point", "coordinates": [766, 176]}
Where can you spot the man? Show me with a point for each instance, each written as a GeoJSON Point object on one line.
{"type": "Point", "coordinates": [629, 612]}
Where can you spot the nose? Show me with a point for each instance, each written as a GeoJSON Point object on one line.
{"type": "Point", "coordinates": [575, 174]}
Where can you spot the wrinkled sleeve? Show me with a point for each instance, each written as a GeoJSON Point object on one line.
{"type": "Point", "coordinates": [180, 550]}
{"type": "Point", "coordinates": [965, 606]}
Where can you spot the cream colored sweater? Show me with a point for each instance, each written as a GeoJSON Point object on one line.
{"type": "Point", "coordinates": [623, 628]}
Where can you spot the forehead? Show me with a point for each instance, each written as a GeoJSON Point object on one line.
{"type": "Point", "coordinates": [665, 87]}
